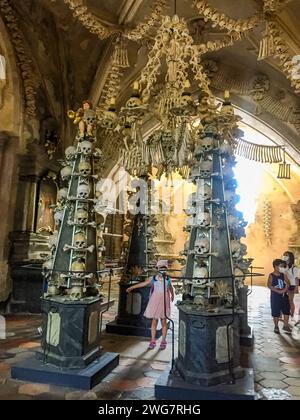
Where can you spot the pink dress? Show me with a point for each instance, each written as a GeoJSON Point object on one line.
{"type": "Point", "coordinates": [155, 308]}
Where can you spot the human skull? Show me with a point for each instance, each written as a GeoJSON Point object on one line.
{"type": "Point", "coordinates": [108, 119]}
{"type": "Point", "coordinates": [205, 193]}
{"type": "Point", "coordinates": [204, 220]}
{"type": "Point", "coordinates": [58, 216]}
{"type": "Point", "coordinates": [78, 268]}
{"type": "Point", "coordinates": [52, 242]}
{"type": "Point", "coordinates": [48, 265]}
{"type": "Point", "coordinates": [206, 167]}
{"type": "Point", "coordinates": [80, 240]}
{"type": "Point", "coordinates": [192, 199]}
{"type": "Point", "coordinates": [133, 102]}
{"type": "Point", "coordinates": [233, 222]}
{"type": "Point", "coordinates": [201, 272]}
{"type": "Point", "coordinates": [207, 144]}
{"type": "Point", "coordinates": [229, 196]}
{"type": "Point", "coordinates": [191, 221]}
{"type": "Point", "coordinates": [235, 249]}
{"type": "Point", "coordinates": [81, 217]}
{"type": "Point", "coordinates": [226, 149]}
{"type": "Point", "coordinates": [86, 148]}
{"type": "Point", "coordinates": [243, 249]}
{"type": "Point", "coordinates": [84, 168]}
{"type": "Point", "coordinates": [202, 246]}
{"type": "Point", "coordinates": [65, 173]}
{"type": "Point", "coordinates": [90, 116]}
{"type": "Point", "coordinates": [98, 153]}
{"type": "Point", "coordinates": [199, 300]}
{"type": "Point", "coordinates": [62, 194]}
{"type": "Point", "coordinates": [239, 277]}
{"type": "Point", "coordinates": [70, 152]}
{"type": "Point", "coordinates": [83, 191]}
{"type": "Point", "coordinates": [191, 210]}
{"type": "Point", "coordinates": [76, 293]}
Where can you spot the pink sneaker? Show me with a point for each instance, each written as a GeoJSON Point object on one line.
{"type": "Point", "coordinates": [163, 345]}
{"type": "Point", "coordinates": [152, 345]}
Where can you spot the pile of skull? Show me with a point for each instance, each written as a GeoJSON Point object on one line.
{"type": "Point", "coordinates": [75, 213]}
{"type": "Point", "coordinates": [199, 216]}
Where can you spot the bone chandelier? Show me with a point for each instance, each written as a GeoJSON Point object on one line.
{"type": "Point", "coordinates": [163, 93]}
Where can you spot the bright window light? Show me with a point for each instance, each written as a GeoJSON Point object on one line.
{"type": "Point", "coordinates": [249, 176]}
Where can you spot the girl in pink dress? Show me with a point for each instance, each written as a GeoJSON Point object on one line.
{"type": "Point", "coordinates": [158, 309]}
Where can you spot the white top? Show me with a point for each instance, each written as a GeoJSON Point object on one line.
{"type": "Point", "coordinates": [293, 274]}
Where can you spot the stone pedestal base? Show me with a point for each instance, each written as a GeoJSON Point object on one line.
{"type": "Point", "coordinates": [204, 357]}
{"type": "Point", "coordinates": [130, 319]}
{"type": "Point", "coordinates": [174, 387]}
{"type": "Point", "coordinates": [33, 370]}
{"type": "Point", "coordinates": [71, 336]}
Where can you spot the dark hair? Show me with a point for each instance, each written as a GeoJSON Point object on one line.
{"type": "Point", "coordinates": [278, 262]}
{"type": "Point", "coordinates": [291, 258]}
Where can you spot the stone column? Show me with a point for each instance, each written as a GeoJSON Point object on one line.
{"type": "Point", "coordinates": [27, 203]}
{"type": "Point", "coordinates": [8, 176]}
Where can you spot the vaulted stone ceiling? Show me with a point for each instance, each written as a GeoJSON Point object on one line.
{"type": "Point", "coordinates": [69, 63]}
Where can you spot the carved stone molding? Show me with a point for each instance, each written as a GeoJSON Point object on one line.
{"type": "Point", "coordinates": [24, 62]}
{"type": "Point", "coordinates": [259, 88]}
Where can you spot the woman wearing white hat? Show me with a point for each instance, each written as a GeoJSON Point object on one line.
{"type": "Point", "coordinates": [157, 308]}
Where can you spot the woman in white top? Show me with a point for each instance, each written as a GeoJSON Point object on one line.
{"type": "Point", "coordinates": [292, 274]}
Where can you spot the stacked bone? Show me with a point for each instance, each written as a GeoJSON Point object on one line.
{"type": "Point", "coordinates": [72, 271]}
{"type": "Point", "coordinates": [199, 219]}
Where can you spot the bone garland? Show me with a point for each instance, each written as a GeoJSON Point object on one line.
{"type": "Point", "coordinates": [284, 171]}
{"type": "Point", "coordinates": [120, 55]}
{"type": "Point", "coordinates": [266, 47]}
{"type": "Point", "coordinates": [282, 52]}
{"type": "Point", "coordinates": [24, 62]}
{"type": "Point", "coordinates": [143, 28]}
{"type": "Point", "coordinates": [224, 22]}
{"type": "Point", "coordinates": [268, 221]}
{"type": "Point", "coordinates": [112, 86]}
{"type": "Point", "coordinates": [274, 6]}
{"type": "Point", "coordinates": [89, 21]}
{"type": "Point", "coordinates": [213, 46]}
{"type": "Point", "coordinates": [258, 152]}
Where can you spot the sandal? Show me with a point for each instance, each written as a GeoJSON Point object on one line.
{"type": "Point", "coordinates": [152, 345]}
{"type": "Point", "coordinates": [163, 345]}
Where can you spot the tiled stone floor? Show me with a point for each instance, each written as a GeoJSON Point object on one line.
{"type": "Point", "coordinates": [275, 358]}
